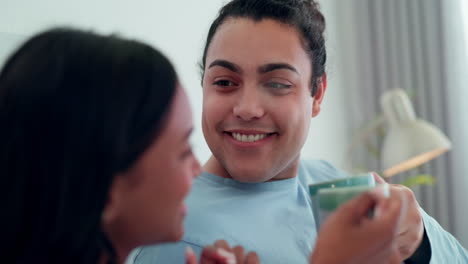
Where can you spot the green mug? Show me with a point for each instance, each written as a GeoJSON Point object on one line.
{"type": "Point", "coordinates": [363, 181]}
{"type": "Point", "coordinates": [329, 199]}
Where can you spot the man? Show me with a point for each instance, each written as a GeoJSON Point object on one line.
{"type": "Point", "coordinates": [263, 80]}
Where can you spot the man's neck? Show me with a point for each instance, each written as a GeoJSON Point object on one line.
{"type": "Point", "coordinates": [213, 166]}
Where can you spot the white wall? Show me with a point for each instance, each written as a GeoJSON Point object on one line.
{"type": "Point", "coordinates": [177, 28]}
{"type": "Point", "coordinates": [457, 92]}
{"type": "Point", "coordinates": [329, 136]}
{"type": "Point", "coordinates": [8, 42]}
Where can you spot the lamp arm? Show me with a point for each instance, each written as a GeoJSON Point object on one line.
{"type": "Point", "coordinates": [360, 136]}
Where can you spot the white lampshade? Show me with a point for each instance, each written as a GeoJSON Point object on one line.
{"type": "Point", "coordinates": [409, 142]}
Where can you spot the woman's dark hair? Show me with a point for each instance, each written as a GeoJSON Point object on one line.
{"type": "Point", "coordinates": [304, 15]}
{"type": "Point", "coordinates": [75, 109]}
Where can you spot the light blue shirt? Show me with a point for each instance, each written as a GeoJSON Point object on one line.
{"type": "Point", "coordinates": [272, 218]}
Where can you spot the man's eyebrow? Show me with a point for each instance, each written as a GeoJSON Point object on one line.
{"type": "Point", "coordinates": [276, 66]}
{"type": "Point", "coordinates": [226, 64]}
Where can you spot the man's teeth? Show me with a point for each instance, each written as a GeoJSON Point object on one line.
{"type": "Point", "coordinates": [248, 138]}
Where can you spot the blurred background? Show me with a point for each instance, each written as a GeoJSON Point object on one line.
{"type": "Point", "coordinates": [374, 46]}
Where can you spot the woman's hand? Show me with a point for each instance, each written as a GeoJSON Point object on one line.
{"type": "Point", "coordinates": [222, 253]}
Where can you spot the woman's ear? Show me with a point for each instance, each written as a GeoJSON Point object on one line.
{"type": "Point", "coordinates": [319, 94]}
{"type": "Point", "coordinates": [113, 205]}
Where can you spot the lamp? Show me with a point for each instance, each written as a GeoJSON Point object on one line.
{"type": "Point", "coordinates": [409, 141]}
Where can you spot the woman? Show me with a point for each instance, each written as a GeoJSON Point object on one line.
{"type": "Point", "coordinates": [95, 156]}
{"type": "Point", "coordinates": [94, 150]}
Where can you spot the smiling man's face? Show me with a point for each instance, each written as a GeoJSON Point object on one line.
{"type": "Point", "coordinates": [257, 104]}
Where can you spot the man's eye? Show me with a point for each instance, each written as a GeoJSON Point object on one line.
{"type": "Point", "coordinates": [276, 85]}
{"type": "Point", "coordinates": [226, 83]}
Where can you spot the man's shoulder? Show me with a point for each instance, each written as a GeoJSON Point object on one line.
{"type": "Point", "coordinates": [311, 171]}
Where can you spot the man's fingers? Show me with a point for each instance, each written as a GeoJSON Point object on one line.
{"type": "Point", "coordinates": [390, 214]}
{"type": "Point", "coordinates": [357, 208]}
{"type": "Point", "coordinates": [402, 195]}
{"type": "Point", "coordinates": [377, 178]}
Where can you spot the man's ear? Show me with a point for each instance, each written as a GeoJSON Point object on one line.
{"type": "Point", "coordinates": [319, 94]}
